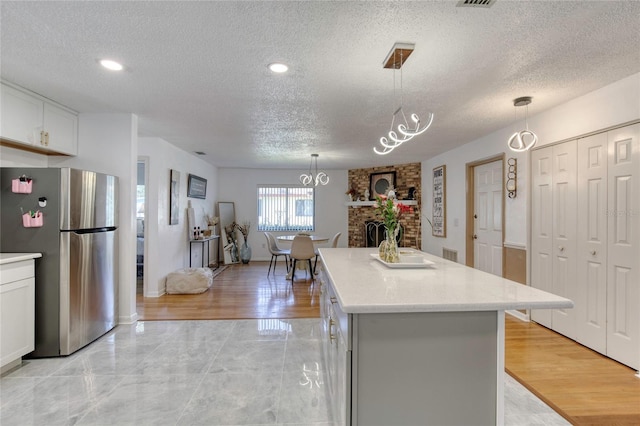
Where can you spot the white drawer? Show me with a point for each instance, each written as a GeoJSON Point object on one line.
{"type": "Point", "coordinates": [16, 271]}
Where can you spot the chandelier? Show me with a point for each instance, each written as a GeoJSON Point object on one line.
{"type": "Point", "coordinates": [524, 139]}
{"type": "Point", "coordinates": [314, 177]}
{"type": "Point", "coordinates": [405, 132]}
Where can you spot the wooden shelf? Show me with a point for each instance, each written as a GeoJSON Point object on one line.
{"type": "Point", "coordinates": [373, 203]}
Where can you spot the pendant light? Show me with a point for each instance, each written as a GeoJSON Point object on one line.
{"type": "Point", "coordinates": [523, 140]}
{"type": "Point", "coordinates": [405, 132]}
{"type": "Point", "coordinates": [314, 177]}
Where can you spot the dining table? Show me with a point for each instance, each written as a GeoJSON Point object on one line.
{"type": "Point", "coordinates": [316, 239]}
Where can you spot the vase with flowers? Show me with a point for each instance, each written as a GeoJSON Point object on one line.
{"type": "Point", "coordinates": [351, 193]}
{"type": "Point", "coordinates": [245, 249]}
{"type": "Point", "coordinates": [390, 211]}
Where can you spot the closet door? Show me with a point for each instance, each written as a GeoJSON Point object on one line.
{"type": "Point", "coordinates": [564, 203]}
{"type": "Point", "coordinates": [541, 228]}
{"type": "Point", "coordinates": [591, 254]}
{"type": "Point", "coordinates": [623, 280]}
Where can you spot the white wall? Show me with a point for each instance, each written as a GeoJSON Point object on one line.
{"type": "Point", "coordinates": [167, 246]}
{"type": "Point", "coordinates": [611, 105]}
{"type": "Point", "coordinates": [107, 143]}
{"type": "Point", "coordinates": [240, 186]}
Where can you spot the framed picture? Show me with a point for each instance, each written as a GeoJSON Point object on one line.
{"type": "Point", "coordinates": [379, 183]}
{"type": "Point", "coordinates": [197, 187]}
{"type": "Point", "coordinates": [439, 207]}
{"type": "Point", "coordinates": [174, 197]}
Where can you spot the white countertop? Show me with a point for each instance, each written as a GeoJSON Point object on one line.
{"type": "Point", "coordinates": [364, 285]}
{"type": "Point", "coordinates": [17, 257]}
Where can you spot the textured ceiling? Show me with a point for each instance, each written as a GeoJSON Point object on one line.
{"type": "Point", "coordinates": [196, 71]}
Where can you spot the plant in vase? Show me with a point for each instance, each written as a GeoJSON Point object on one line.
{"type": "Point", "coordinates": [245, 250]}
{"type": "Point", "coordinates": [351, 193]}
{"type": "Point", "coordinates": [390, 211]}
{"type": "Point", "coordinates": [212, 221]}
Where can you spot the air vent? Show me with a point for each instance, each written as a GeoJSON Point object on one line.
{"type": "Point", "coordinates": [200, 152]}
{"type": "Point", "coordinates": [476, 3]}
{"type": "Point", "coordinates": [449, 254]}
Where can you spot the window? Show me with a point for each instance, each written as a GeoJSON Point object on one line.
{"type": "Point", "coordinates": [286, 208]}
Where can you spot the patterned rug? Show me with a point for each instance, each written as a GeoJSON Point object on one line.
{"type": "Point", "coordinates": [219, 270]}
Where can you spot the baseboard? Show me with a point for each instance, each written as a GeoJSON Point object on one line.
{"type": "Point", "coordinates": [132, 319]}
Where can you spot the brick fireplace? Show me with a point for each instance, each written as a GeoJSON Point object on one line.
{"type": "Point", "coordinates": [407, 176]}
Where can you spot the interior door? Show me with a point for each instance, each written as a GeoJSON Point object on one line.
{"type": "Point", "coordinates": [591, 254]}
{"type": "Point", "coordinates": [488, 217]}
{"type": "Point", "coordinates": [541, 228]}
{"type": "Point", "coordinates": [564, 232]}
{"type": "Point", "coordinates": [623, 280]}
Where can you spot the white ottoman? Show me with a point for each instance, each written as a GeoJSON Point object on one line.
{"type": "Point", "coordinates": [189, 281]}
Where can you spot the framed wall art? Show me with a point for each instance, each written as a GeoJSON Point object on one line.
{"type": "Point", "coordinates": [196, 187]}
{"type": "Point", "coordinates": [379, 183]}
{"type": "Point", "coordinates": [174, 197]}
{"type": "Point", "coordinates": [439, 207]}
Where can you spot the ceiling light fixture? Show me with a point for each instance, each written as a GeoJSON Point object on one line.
{"type": "Point", "coordinates": [319, 178]}
{"type": "Point", "coordinates": [278, 67]}
{"type": "Point", "coordinates": [395, 59]}
{"type": "Point", "coordinates": [111, 65]}
{"type": "Point", "coordinates": [523, 140]}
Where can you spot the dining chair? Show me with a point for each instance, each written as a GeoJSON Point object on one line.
{"type": "Point", "coordinates": [333, 244]}
{"type": "Point", "coordinates": [302, 249]}
{"type": "Point", "coordinates": [275, 252]}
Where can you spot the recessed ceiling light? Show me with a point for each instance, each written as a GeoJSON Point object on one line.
{"type": "Point", "coordinates": [111, 65]}
{"type": "Point", "coordinates": [278, 67]}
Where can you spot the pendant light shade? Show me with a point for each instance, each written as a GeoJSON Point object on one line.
{"type": "Point", "coordinates": [523, 140]}
{"type": "Point", "coordinates": [314, 177]}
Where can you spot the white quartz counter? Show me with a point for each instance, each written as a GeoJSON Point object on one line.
{"type": "Point", "coordinates": [364, 285]}
{"type": "Point", "coordinates": [17, 257]}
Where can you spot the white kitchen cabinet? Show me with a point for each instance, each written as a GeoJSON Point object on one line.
{"type": "Point", "coordinates": [17, 307]}
{"type": "Point", "coordinates": [585, 239]}
{"type": "Point", "coordinates": [36, 123]}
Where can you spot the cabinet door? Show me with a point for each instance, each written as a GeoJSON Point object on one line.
{"type": "Point", "coordinates": [541, 228]}
{"type": "Point", "coordinates": [17, 316]}
{"type": "Point", "coordinates": [623, 280]}
{"type": "Point", "coordinates": [21, 116]}
{"type": "Point", "coordinates": [62, 128]}
{"type": "Point", "coordinates": [591, 254]}
{"type": "Point", "coordinates": [564, 233]}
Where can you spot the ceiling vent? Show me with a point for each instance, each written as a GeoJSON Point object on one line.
{"type": "Point", "coordinates": [476, 3]}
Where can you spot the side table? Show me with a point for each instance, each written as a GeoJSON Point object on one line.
{"type": "Point", "coordinates": [205, 242]}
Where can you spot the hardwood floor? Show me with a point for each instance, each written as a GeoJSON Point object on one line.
{"type": "Point", "coordinates": [583, 386]}
{"type": "Point", "coordinates": [586, 388]}
{"type": "Point", "coordinates": [240, 292]}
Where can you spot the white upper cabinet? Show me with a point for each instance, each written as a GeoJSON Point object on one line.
{"type": "Point", "coordinates": [30, 120]}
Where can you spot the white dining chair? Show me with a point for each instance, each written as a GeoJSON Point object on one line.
{"type": "Point", "coordinates": [302, 249]}
{"type": "Point", "coordinates": [275, 252]}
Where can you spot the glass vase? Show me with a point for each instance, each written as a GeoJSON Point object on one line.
{"type": "Point", "coordinates": [245, 253]}
{"type": "Point", "coordinates": [388, 249]}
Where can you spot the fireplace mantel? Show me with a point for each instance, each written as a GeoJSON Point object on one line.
{"type": "Point", "coordinates": [373, 203]}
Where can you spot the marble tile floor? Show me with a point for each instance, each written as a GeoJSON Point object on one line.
{"type": "Point", "coordinates": [239, 372]}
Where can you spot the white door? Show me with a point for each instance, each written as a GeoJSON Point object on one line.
{"type": "Point", "coordinates": [591, 254]}
{"type": "Point", "coordinates": [487, 246]}
{"type": "Point", "coordinates": [564, 233]}
{"type": "Point", "coordinates": [623, 280]}
{"type": "Point", "coordinates": [541, 228]}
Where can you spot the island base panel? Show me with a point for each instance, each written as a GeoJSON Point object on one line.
{"type": "Point", "coordinates": [426, 368]}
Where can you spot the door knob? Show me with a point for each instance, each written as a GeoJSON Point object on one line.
{"type": "Point", "coordinates": [475, 216]}
{"type": "Point", "coordinates": [475, 237]}
{"type": "Point", "coordinates": [561, 248]}
{"type": "Point", "coordinates": [593, 252]}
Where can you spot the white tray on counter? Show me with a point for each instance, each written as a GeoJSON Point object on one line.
{"type": "Point", "coordinates": [403, 265]}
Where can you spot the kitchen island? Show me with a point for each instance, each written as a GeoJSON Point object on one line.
{"type": "Point", "coordinates": [416, 346]}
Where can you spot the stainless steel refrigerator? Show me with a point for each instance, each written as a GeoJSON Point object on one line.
{"type": "Point", "coordinates": [71, 217]}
